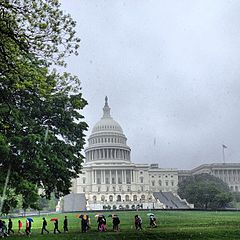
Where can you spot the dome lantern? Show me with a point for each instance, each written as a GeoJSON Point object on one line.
{"type": "Point", "coordinates": [106, 109]}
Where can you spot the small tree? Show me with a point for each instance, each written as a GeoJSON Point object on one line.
{"type": "Point", "coordinates": [205, 191]}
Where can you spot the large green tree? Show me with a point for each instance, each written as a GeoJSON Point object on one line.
{"type": "Point", "coordinates": [41, 126]}
{"type": "Point", "coordinates": [205, 191]}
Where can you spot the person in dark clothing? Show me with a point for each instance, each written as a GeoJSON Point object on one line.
{"type": "Point", "coordinates": [10, 226]}
{"type": "Point", "coordinates": [138, 222]}
{"type": "Point", "coordinates": [56, 227]}
{"type": "Point", "coordinates": [84, 218]}
{"type": "Point", "coordinates": [153, 223]}
{"type": "Point", "coordinates": [30, 227]}
{"type": "Point", "coordinates": [116, 222]}
{"type": "Point", "coordinates": [4, 229]}
{"type": "Point", "coordinates": [65, 224]}
{"type": "Point", "coordinates": [44, 225]}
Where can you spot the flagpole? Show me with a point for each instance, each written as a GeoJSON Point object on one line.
{"type": "Point", "coordinates": [223, 154]}
{"type": "Point", "coordinates": [223, 147]}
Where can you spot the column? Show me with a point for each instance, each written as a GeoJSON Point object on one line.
{"type": "Point", "coordinates": [116, 177]}
{"type": "Point", "coordinates": [110, 176]}
{"type": "Point", "coordinates": [92, 173]}
{"type": "Point", "coordinates": [122, 177]}
{"type": "Point", "coordinates": [102, 181]}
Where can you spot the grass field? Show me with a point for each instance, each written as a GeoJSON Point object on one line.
{"type": "Point", "coordinates": [171, 225]}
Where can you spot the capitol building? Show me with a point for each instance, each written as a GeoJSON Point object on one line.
{"type": "Point", "coordinates": [110, 180]}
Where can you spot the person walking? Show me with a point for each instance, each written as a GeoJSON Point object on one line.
{"type": "Point", "coordinates": [20, 225]}
{"type": "Point", "coordinates": [65, 224]}
{"type": "Point", "coordinates": [138, 222]}
{"type": "Point", "coordinates": [56, 227]}
{"type": "Point", "coordinates": [44, 226]}
{"type": "Point", "coordinates": [116, 222]}
{"type": "Point", "coordinates": [27, 231]}
{"type": "Point", "coordinates": [10, 226]}
{"type": "Point", "coordinates": [84, 218]}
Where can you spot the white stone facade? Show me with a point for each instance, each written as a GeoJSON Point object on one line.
{"type": "Point", "coordinates": [109, 178]}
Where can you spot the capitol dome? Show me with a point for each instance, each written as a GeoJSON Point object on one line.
{"type": "Point", "coordinates": [107, 123]}
{"type": "Point", "coordinates": [107, 140]}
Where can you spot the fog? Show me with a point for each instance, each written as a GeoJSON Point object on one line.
{"type": "Point", "coordinates": [171, 72]}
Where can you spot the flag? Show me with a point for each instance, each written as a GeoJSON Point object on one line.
{"type": "Point", "coordinates": [224, 146]}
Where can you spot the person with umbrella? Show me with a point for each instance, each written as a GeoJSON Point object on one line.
{"type": "Point", "coordinates": [30, 220]}
{"type": "Point", "coordinates": [55, 230]}
{"type": "Point", "coordinates": [152, 220]}
{"type": "Point", "coordinates": [84, 218]}
{"type": "Point", "coordinates": [44, 226]}
{"type": "Point", "coordinates": [27, 230]}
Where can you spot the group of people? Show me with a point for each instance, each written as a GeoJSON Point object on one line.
{"type": "Point", "coordinates": [101, 222]}
{"type": "Point", "coordinates": [7, 229]}
{"type": "Point", "coordinates": [56, 229]}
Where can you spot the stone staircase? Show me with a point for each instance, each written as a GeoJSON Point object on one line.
{"type": "Point", "coordinates": [170, 200]}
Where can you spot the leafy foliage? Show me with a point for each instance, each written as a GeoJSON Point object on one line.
{"type": "Point", "coordinates": [41, 126]}
{"type": "Point", "coordinates": [205, 191]}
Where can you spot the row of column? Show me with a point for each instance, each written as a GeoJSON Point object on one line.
{"type": "Point", "coordinates": [112, 176]}
{"type": "Point", "coordinates": [228, 175]}
{"type": "Point", "coordinates": [108, 153]}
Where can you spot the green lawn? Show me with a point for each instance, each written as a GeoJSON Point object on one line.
{"type": "Point", "coordinates": [171, 225]}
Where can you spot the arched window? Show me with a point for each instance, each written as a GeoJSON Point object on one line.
{"type": "Point", "coordinates": [102, 198]}
{"type": "Point", "coordinates": [141, 179]}
{"type": "Point", "coordinates": [127, 198]}
{"type": "Point", "coordinates": [110, 198]}
{"type": "Point", "coordinates": [134, 198]}
{"type": "Point", "coordinates": [118, 198]}
{"type": "Point", "coordinates": [94, 199]}
{"type": "Point", "coordinates": [143, 197]}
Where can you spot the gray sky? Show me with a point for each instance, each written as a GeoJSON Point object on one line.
{"type": "Point", "coordinates": [171, 72]}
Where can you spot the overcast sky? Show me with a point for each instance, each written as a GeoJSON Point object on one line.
{"type": "Point", "coordinates": [171, 70]}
